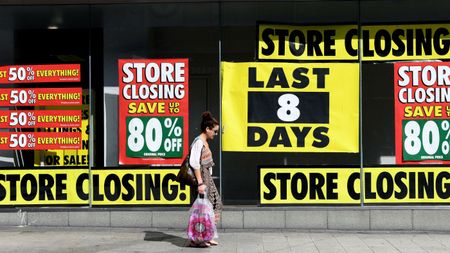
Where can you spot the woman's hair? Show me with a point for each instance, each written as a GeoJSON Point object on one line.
{"type": "Point", "coordinates": [208, 121]}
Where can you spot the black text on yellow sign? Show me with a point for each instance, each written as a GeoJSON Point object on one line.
{"type": "Point", "coordinates": [285, 42]}
{"type": "Point", "coordinates": [286, 107]}
{"type": "Point", "coordinates": [293, 186]}
{"type": "Point", "coordinates": [110, 187]}
{"type": "Point", "coordinates": [406, 185]}
{"type": "Point", "coordinates": [138, 187]}
{"type": "Point", "coordinates": [378, 43]}
{"type": "Point", "coordinates": [298, 186]}
{"type": "Point", "coordinates": [43, 187]}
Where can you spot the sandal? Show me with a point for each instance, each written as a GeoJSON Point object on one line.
{"type": "Point", "coordinates": [199, 245]}
{"type": "Point", "coordinates": [213, 243]}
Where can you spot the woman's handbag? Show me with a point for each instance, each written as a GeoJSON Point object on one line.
{"type": "Point", "coordinates": [186, 174]}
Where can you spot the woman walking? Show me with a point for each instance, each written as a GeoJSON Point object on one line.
{"type": "Point", "coordinates": [202, 161]}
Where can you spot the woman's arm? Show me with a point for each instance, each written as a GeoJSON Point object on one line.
{"type": "Point", "coordinates": [201, 186]}
{"type": "Point", "coordinates": [194, 161]}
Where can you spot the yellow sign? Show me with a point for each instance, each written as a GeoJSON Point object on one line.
{"type": "Point", "coordinates": [279, 186]}
{"type": "Point", "coordinates": [290, 107]}
{"type": "Point", "coordinates": [405, 42]}
{"type": "Point", "coordinates": [138, 187]}
{"type": "Point", "coordinates": [406, 185]}
{"type": "Point", "coordinates": [340, 42]}
{"type": "Point", "coordinates": [286, 42]}
{"type": "Point", "coordinates": [44, 187]}
{"type": "Point", "coordinates": [110, 187]}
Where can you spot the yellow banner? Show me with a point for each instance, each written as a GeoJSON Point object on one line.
{"type": "Point", "coordinates": [44, 187]}
{"type": "Point", "coordinates": [286, 42]}
{"type": "Point", "coordinates": [340, 42]}
{"type": "Point", "coordinates": [138, 187]}
{"type": "Point", "coordinates": [405, 42]}
{"type": "Point", "coordinates": [111, 187]}
{"type": "Point", "coordinates": [285, 186]}
{"type": "Point", "coordinates": [406, 185]}
{"type": "Point", "coordinates": [290, 107]}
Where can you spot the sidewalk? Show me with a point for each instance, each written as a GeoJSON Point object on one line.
{"type": "Point", "coordinates": [82, 240]}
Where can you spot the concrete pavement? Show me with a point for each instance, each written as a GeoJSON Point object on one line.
{"type": "Point", "coordinates": [72, 239]}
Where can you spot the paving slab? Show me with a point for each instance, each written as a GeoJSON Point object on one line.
{"type": "Point", "coordinates": [136, 240]}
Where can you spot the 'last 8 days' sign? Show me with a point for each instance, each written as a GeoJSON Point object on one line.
{"type": "Point", "coordinates": [290, 107]}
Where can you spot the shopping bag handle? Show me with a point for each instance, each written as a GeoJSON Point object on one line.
{"type": "Point", "coordinates": [202, 195]}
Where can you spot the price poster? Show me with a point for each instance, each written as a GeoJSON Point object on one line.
{"type": "Point", "coordinates": [422, 110]}
{"type": "Point", "coordinates": [39, 140]}
{"type": "Point", "coordinates": [290, 107]}
{"type": "Point", "coordinates": [153, 111]}
{"type": "Point", "coordinates": [40, 96]}
{"type": "Point", "coordinates": [40, 118]}
{"type": "Point", "coordinates": [65, 157]}
{"type": "Point", "coordinates": [40, 73]}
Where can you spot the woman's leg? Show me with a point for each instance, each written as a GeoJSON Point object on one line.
{"type": "Point", "coordinates": [213, 197]}
{"type": "Point", "coordinates": [217, 217]}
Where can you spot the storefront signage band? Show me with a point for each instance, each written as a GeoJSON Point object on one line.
{"type": "Point", "coordinates": [340, 42]}
{"type": "Point", "coordinates": [342, 186]}
{"type": "Point", "coordinates": [23, 187]}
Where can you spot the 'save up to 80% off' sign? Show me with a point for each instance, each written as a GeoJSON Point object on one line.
{"type": "Point", "coordinates": [154, 136]}
{"type": "Point", "coordinates": [426, 139]}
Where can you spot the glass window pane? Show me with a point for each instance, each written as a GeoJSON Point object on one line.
{"type": "Point", "coordinates": [239, 43]}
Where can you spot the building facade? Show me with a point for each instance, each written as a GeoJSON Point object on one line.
{"type": "Point", "coordinates": [327, 109]}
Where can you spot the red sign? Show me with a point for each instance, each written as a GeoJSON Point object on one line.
{"type": "Point", "coordinates": [40, 96]}
{"type": "Point", "coordinates": [40, 118]}
{"type": "Point", "coordinates": [153, 111]}
{"type": "Point", "coordinates": [40, 73]}
{"type": "Point", "coordinates": [422, 112]}
{"type": "Point", "coordinates": [39, 140]}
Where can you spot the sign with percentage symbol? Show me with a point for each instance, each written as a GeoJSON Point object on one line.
{"type": "Point", "coordinates": [40, 118]}
{"type": "Point", "coordinates": [153, 111]}
{"type": "Point", "coordinates": [422, 112]}
{"type": "Point", "coordinates": [40, 96]}
{"type": "Point", "coordinates": [40, 73]}
{"type": "Point", "coordinates": [154, 136]}
{"type": "Point", "coordinates": [39, 140]}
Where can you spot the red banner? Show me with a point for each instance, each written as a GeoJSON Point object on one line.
{"type": "Point", "coordinates": [40, 73]}
{"type": "Point", "coordinates": [40, 118]}
{"type": "Point", "coordinates": [40, 96]}
{"type": "Point", "coordinates": [153, 111]}
{"type": "Point", "coordinates": [39, 140]}
{"type": "Point", "coordinates": [422, 112]}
